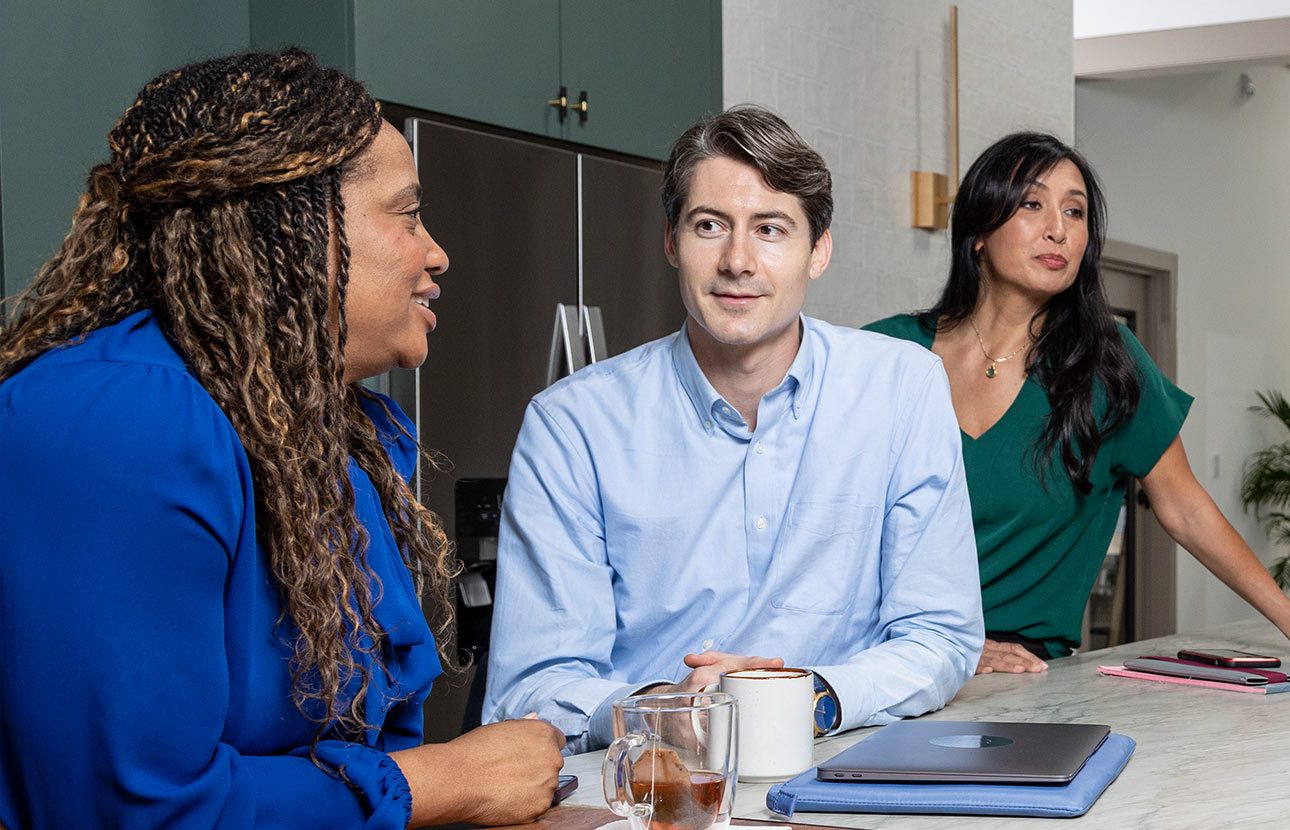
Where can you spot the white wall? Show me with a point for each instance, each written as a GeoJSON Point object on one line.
{"type": "Point", "coordinates": [866, 83]}
{"type": "Point", "coordinates": [1193, 167]}
{"type": "Point", "coordinates": [1103, 18]}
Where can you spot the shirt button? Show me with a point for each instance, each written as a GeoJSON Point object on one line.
{"type": "Point", "coordinates": [760, 448]}
{"type": "Point", "coordinates": [760, 524]}
{"type": "Point", "coordinates": [708, 643]}
{"type": "Point", "coordinates": [725, 409]}
{"type": "Point", "coordinates": [707, 424]}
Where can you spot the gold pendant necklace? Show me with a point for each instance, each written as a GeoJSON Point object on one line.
{"type": "Point", "coordinates": [991, 370]}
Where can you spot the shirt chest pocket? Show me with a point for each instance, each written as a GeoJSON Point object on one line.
{"type": "Point", "coordinates": [818, 564]}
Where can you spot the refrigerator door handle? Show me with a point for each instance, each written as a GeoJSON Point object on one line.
{"type": "Point", "coordinates": [567, 353]}
{"type": "Point", "coordinates": [593, 327]}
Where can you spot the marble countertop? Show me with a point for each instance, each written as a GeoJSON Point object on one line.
{"type": "Point", "coordinates": [1205, 758]}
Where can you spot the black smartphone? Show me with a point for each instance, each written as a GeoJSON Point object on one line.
{"type": "Point", "coordinates": [1231, 658]}
{"type": "Point", "coordinates": [567, 784]}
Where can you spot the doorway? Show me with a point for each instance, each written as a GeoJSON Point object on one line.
{"type": "Point", "coordinates": [1135, 595]}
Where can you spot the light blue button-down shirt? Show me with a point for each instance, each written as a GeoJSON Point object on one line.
{"type": "Point", "coordinates": [644, 521]}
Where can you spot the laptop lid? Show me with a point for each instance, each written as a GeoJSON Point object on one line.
{"type": "Point", "coordinates": [974, 752]}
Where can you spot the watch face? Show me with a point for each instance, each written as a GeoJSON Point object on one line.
{"type": "Point", "coordinates": [826, 714]}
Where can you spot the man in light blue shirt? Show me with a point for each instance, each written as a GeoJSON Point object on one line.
{"type": "Point", "coordinates": [760, 483]}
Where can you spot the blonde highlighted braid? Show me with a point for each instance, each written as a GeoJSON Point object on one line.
{"type": "Point", "coordinates": [220, 209]}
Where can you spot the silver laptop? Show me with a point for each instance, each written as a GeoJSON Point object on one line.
{"type": "Point", "coordinates": [943, 751]}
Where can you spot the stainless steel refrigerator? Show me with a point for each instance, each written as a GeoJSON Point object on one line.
{"type": "Point", "coordinates": [556, 259]}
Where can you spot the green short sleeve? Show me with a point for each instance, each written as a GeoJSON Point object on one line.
{"type": "Point", "coordinates": [1162, 408]}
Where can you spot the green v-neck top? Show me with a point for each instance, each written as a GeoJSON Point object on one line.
{"type": "Point", "coordinates": [1041, 545]}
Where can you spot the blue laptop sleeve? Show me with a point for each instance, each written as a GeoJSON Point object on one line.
{"type": "Point", "coordinates": [807, 794]}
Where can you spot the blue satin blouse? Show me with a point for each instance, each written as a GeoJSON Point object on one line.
{"type": "Point", "coordinates": [144, 679]}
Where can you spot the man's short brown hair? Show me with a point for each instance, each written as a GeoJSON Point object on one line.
{"type": "Point", "coordinates": [757, 136]}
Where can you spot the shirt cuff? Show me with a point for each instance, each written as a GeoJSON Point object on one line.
{"type": "Point", "coordinates": [852, 690]}
{"type": "Point", "coordinates": [600, 727]}
{"type": "Point", "coordinates": [375, 777]}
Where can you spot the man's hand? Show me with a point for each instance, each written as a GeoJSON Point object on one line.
{"type": "Point", "coordinates": [708, 668]}
{"type": "Point", "coordinates": [1008, 657]}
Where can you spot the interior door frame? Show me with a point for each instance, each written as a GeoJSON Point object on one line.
{"type": "Point", "coordinates": [1155, 610]}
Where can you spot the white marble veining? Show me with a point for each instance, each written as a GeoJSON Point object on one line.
{"type": "Point", "coordinates": [1205, 758]}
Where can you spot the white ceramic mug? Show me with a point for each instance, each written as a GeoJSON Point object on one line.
{"type": "Point", "coordinates": [776, 721]}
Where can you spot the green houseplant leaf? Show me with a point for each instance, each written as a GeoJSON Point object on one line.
{"type": "Point", "coordinates": [1265, 485]}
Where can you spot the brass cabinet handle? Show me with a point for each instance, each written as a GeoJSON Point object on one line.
{"type": "Point", "coordinates": [561, 104]}
{"type": "Point", "coordinates": [563, 107]}
{"type": "Point", "coordinates": [581, 107]}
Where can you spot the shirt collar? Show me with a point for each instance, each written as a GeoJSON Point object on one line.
{"type": "Point", "coordinates": [799, 380]}
{"type": "Point", "coordinates": [802, 371]}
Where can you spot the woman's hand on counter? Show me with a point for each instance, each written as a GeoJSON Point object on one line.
{"type": "Point", "coordinates": [1008, 657]}
{"type": "Point", "coordinates": [499, 774]}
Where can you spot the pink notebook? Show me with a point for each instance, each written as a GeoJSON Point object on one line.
{"type": "Point", "coordinates": [1121, 671]}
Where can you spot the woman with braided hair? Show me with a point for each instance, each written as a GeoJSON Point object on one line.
{"type": "Point", "coordinates": [211, 558]}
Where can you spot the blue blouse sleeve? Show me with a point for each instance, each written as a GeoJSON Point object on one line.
{"type": "Point", "coordinates": [128, 501]}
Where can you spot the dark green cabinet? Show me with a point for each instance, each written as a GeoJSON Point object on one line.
{"type": "Point", "coordinates": [67, 70]}
{"type": "Point", "coordinates": [648, 68]}
{"type": "Point", "coordinates": [494, 62]}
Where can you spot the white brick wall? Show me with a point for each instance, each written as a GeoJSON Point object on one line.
{"type": "Point", "coordinates": [867, 83]}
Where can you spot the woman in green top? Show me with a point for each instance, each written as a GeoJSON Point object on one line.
{"type": "Point", "coordinates": [1058, 405]}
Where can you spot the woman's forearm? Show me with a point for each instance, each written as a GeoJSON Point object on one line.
{"type": "Point", "coordinates": [1188, 514]}
{"type": "Point", "coordinates": [499, 774]}
{"type": "Point", "coordinates": [1212, 540]}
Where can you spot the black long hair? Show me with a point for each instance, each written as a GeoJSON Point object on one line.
{"type": "Point", "coordinates": [1078, 345]}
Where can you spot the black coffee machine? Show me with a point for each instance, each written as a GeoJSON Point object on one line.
{"type": "Point", "coordinates": [478, 516]}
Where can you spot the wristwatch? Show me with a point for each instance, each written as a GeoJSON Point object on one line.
{"type": "Point", "coordinates": [827, 711]}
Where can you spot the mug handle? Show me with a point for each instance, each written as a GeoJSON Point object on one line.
{"type": "Point", "coordinates": [615, 773]}
{"type": "Point", "coordinates": [699, 731]}
{"type": "Point", "coordinates": [815, 701]}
